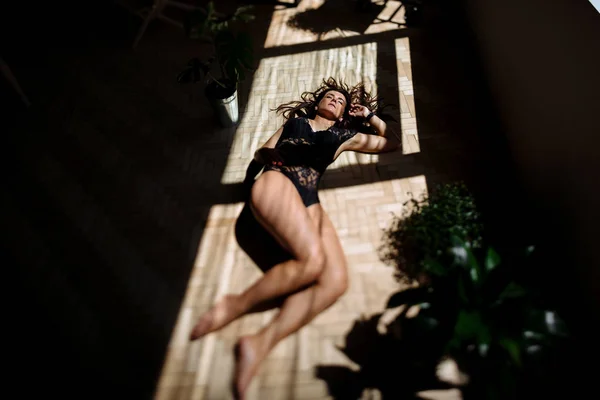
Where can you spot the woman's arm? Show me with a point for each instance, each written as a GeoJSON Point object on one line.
{"type": "Point", "coordinates": [269, 144]}
{"type": "Point", "coordinates": [386, 140]}
{"type": "Point", "coordinates": [364, 143]}
{"type": "Point", "coordinates": [379, 125]}
{"type": "Point", "coordinates": [259, 160]}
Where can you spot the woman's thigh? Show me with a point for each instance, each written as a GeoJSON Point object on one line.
{"type": "Point", "coordinates": [277, 206]}
{"type": "Point", "coordinates": [336, 267]}
{"type": "Point", "coordinates": [257, 242]}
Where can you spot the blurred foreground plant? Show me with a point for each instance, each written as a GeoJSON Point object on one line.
{"type": "Point", "coordinates": [424, 231]}
{"type": "Point", "coordinates": [497, 331]}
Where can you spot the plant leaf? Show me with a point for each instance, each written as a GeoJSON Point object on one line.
{"type": "Point", "coordinates": [243, 10]}
{"type": "Point", "coordinates": [469, 325]}
{"type": "Point", "coordinates": [196, 24]}
{"type": "Point", "coordinates": [205, 66]}
{"type": "Point", "coordinates": [459, 251]}
{"type": "Point", "coordinates": [462, 290]}
{"type": "Point", "coordinates": [529, 250]}
{"type": "Point", "coordinates": [242, 13]}
{"type": "Point", "coordinates": [241, 75]}
{"type": "Point", "coordinates": [491, 260]}
{"type": "Point", "coordinates": [191, 72]}
{"type": "Point", "coordinates": [434, 267]}
{"type": "Point", "coordinates": [512, 348]}
{"type": "Point", "coordinates": [512, 291]}
{"type": "Point", "coordinates": [474, 274]}
{"type": "Point", "coordinates": [483, 349]}
{"type": "Point", "coordinates": [464, 257]}
{"type": "Point", "coordinates": [233, 51]}
{"type": "Point", "coordinates": [547, 322]}
{"type": "Point", "coordinates": [425, 321]}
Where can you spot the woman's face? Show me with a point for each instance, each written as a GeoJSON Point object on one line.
{"type": "Point", "coordinates": [332, 105]}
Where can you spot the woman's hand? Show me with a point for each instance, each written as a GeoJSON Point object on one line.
{"type": "Point", "coordinates": [358, 110]}
{"type": "Point", "coordinates": [268, 156]}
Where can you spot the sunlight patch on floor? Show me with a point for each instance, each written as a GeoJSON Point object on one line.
{"type": "Point", "coordinates": [372, 204]}
{"type": "Point", "coordinates": [358, 212]}
{"type": "Point", "coordinates": [284, 78]}
{"type": "Point", "coordinates": [408, 117]}
{"type": "Point", "coordinates": [220, 267]}
{"type": "Point", "coordinates": [201, 369]}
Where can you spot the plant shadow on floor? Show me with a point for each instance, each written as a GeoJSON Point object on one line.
{"type": "Point", "coordinates": [336, 14]}
{"type": "Point", "coordinates": [393, 358]}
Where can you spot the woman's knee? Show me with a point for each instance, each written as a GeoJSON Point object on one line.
{"type": "Point", "coordinates": [314, 260]}
{"type": "Point", "coordinates": [336, 280]}
{"type": "Point", "coordinates": [340, 287]}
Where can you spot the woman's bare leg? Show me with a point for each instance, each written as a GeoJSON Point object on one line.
{"type": "Point", "coordinates": [278, 207]}
{"type": "Point", "coordinates": [297, 310]}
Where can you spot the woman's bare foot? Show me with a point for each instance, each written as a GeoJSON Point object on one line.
{"type": "Point", "coordinates": [221, 314]}
{"type": "Point", "coordinates": [248, 355]}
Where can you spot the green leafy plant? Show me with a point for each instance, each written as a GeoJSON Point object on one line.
{"type": "Point", "coordinates": [232, 49]}
{"type": "Point", "coordinates": [496, 329]}
{"type": "Point", "coordinates": [423, 232]}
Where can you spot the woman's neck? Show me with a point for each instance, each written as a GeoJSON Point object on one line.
{"type": "Point", "coordinates": [321, 123]}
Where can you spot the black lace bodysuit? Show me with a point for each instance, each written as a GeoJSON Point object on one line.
{"type": "Point", "coordinates": [310, 153]}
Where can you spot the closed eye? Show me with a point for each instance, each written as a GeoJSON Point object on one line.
{"type": "Point", "coordinates": [340, 100]}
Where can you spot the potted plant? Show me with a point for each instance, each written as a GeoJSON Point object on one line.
{"type": "Point", "coordinates": [232, 56]}
{"type": "Point", "coordinates": [498, 335]}
{"type": "Point", "coordinates": [473, 310]}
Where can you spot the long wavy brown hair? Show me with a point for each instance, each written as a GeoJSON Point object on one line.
{"type": "Point", "coordinates": [355, 94]}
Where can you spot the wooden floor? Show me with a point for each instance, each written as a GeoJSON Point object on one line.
{"type": "Point", "coordinates": [360, 193]}
{"type": "Point", "coordinates": [127, 191]}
